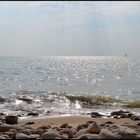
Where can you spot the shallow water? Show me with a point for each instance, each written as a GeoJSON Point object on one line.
{"type": "Point", "coordinates": [118, 77]}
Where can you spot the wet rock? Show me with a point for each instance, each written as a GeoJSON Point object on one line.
{"type": "Point", "coordinates": [2, 99]}
{"type": "Point", "coordinates": [25, 100]}
{"type": "Point", "coordinates": [95, 115]}
{"type": "Point", "coordinates": [64, 125]}
{"type": "Point", "coordinates": [49, 135]}
{"type": "Point", "coordinates": [121, 113]}
{"type": "Point", "coordinates": [11, 119]}
{"type": "Point", "coordinates": [32, 114]}
{"type": "Point", "coordinates": [93, 128]}
{"type": "Point", "coordinates": [22, 136]}
{"type": "Point", "coordinates": [135, 117]}
{"type": "Point", "coordinates": [88, 136]}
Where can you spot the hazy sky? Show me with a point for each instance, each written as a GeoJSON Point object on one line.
{"type": "Point", "coordinates": [38, 28]}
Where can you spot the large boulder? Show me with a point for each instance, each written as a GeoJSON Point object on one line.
{"type": "Point", "coordinates": [11, 119]}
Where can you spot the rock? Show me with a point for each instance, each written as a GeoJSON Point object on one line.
{"type": "Point", "coordinates": [35, 136]}
{"type": "Point", "coordinates": [138, 124]}
{"type": "Point", "coordinates": [80, 132]}
{"type": "Point", "coordinates": [10, 134]}
{"type": "Point", "coordinates": [121, 113]}
{"type": "Point", "coordinates": [95, 115]}
{"type": "Point", "coordinates": [82, 126]}
{"type": "Point", "coordinates": [7, 127]}
{"type": "Point", "coordinates": [2, 138]}
{"type": "Point", "coordinates": [44, 127]}
{"type": "Point", "coordinates": [25, 131]}
{"type": "Point", "coordinates": [6, 136]}
{"type": "Point", "coordinates": [25, 100]}
{"type": "Point", "coordinates": [69, 132]}
{"type": "Point", "coordinates": [11, 119]}
{"type": "Point", "coordinates": [64, 125]}
{"type": "Point", "coordinates": [27, 127]}
{"type": "Point", "coordinates": [64, 136]}
{"type": "Point", "coordinates": [89, 122]}
{"type": "Point", "coordinates": [29, 123]}
{"type": "Point", "coordinates": [2, 99]}
{"type": "Point", "coordinates": [32, 114]}
{"type": "Point", "coordinates": [123, 132]}
{"type": "Point", "coordinates": [93, 128]}
{"type": "Point", "coordinates": [106, 134]}
{"type": "Point", "coordinates": [49, 135]}
{"type": "Point", "coordinates": [22, 136]}
{"type": "Point", "coordinates": [88, 136]}
{"type": "Point", "coordinates": [13, 130]}
{"type": "Point", "coordinates": [79, 127]}
{"type": "Point", "coordinates": [135, 117]}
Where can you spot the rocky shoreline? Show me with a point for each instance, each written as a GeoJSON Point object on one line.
{"type": "Point", "coordinates": [12, 128]}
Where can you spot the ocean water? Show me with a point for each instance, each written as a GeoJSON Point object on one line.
{"type": "Point", "coordinates": [36, 77]}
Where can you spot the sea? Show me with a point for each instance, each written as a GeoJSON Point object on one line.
{"type": "Point", "coordinates": [40, 84]}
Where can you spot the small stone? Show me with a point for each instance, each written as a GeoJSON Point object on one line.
{"type": "Point", "coordinates": [11, 119]}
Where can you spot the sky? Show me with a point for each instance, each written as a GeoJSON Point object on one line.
{"type": "Point", "coordinates": [76, 28]}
